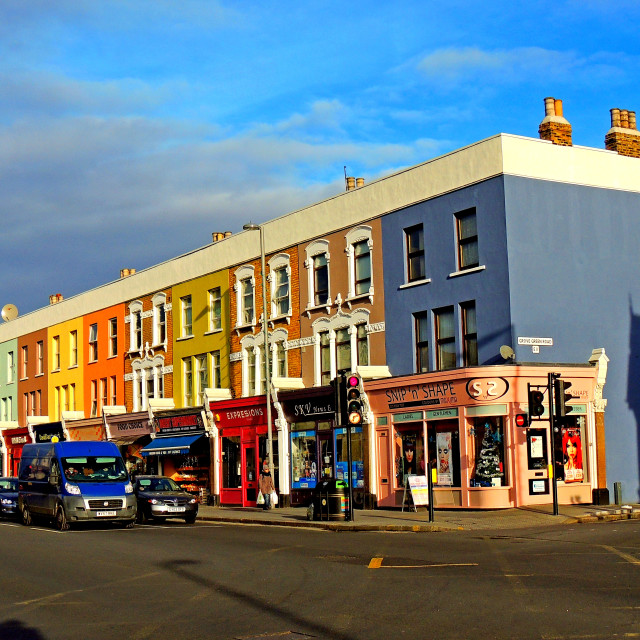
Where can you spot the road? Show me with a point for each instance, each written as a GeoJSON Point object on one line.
{"type": "Point", "coordinates": [231, 581]}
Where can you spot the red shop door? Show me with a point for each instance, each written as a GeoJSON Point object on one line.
{"type": "Point", "coordinates": [249, 474]}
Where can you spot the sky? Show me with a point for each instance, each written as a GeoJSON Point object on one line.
{"type": "Point", "coordinates": [130, 130]}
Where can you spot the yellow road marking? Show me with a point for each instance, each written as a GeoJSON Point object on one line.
{"type": "Point", "coordinates": [376, 563]}
{"type": "Point", "coordinates": [627, 556]}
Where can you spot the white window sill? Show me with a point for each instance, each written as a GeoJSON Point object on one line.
{"type": "Point", "coordinates": [240, 327]}
{"type": "Point", "coordinates": [52, 371]}
{"type": "Point", "coordinates": [213, 332]}
{"type": "Point", "coordinates": [75, 366]}
{"type": "Point", "coordinates": [464, 272]}
{"type": "Point", "coordinates": [181, 338]}
{"type": "Point", "coordinates": [415, 283]}
{"type": "Point", "coordinates": [38, 375]}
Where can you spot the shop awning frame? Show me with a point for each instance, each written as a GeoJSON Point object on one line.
{"type": "Point", "coordinates": [170, 445]}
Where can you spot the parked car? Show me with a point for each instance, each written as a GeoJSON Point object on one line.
{"type": "Point", "coordinates": [160, 498]}
{"type": "Point", "coordinates": [9, 497]}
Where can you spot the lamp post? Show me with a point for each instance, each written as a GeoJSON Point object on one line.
{"type": "Point", "coordinates": [250, 226]}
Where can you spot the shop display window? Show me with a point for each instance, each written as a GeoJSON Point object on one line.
{"type": "Point", "coordinates": [408, 452]}
{"type": "Point", "coordinates": [489, 448]}
{"type": "Point", "coordinates": [304, 459]}
{"type": "Point", "coordinates": [444, 452]}
{"type": "Point", "coordinates": [231, 462]}
{"type": "Point", "coordinates": [262, 454]}
{"type": "Point", "coordinates": [357, 456]}
{"type": "Point", "coordinates": [573, 450]}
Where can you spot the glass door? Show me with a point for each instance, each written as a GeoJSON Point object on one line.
{"type": "Point", "coordinates": [250, 477]}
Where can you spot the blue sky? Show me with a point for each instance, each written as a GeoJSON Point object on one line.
{"type": "Point", "coordinates": [132, 129]}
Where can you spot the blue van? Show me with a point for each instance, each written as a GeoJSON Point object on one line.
{"type": "Point", "coordinates": [71, 482]}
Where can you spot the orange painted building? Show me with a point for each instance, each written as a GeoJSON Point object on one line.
{"type": "Point", "coordinates": [103, 359]}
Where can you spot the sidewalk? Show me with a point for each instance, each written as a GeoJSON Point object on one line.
{"type": "Point", "coordinates": [444, 520]}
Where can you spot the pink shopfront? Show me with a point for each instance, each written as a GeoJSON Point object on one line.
{"type": "Point", "coordinates": [464, 422]}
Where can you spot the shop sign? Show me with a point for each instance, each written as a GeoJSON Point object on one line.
{"type": "Point", "coordinates": [408, 417]}
{"type": "Point", "coordinates": [47, 432]}
{"type": "Point", "coordinates": [442, 414]}
{"type": "Point", "coordinates": [184, 423]}
{"type": "Point", "coordinates": [304, 407]}
{"type": "Point", "coordinates": [246, 417]}
{"type": "Point", "coordinates": [487, 389]}
{"type": "Point", "coordinates": [421, 395]}
{"type": "Point", "coordinates": [129, 428]}
{"type": "Point", "coordinates": [19, 440]}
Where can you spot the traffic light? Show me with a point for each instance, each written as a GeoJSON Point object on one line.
{"type": "Point", "coordinates": [355, 409]}
{"type": "Point", "coordinates": [536, 402]}
{"type": "Point", "coordinates": [561, 397]}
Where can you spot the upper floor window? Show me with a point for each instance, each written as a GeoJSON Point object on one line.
{"type": "Point", "coordinates": [202, 376]}
{"type": "Point", "coordinates": [187, 327]}
{"type": "Point", "coordinates": [159, 319]}
{"type": "Point", "coordinates": [215, 370]}
{"type": "Point", "coordinates": [280, 273]}
{"type": "Point", "coordinates": [25, 361]}
{"type": "Point", "coordinates": [93, 342]}
{"type": "Point", "coordinates": [469, 333]}
{"type": "Point", "coordinates": [40, 356]}
{"type": "Point", "coordinates": [113, 337]}
{"type": "Point", "coordinates": [55, 353]}
{"type": "Point", "coordinates": [359, 245]}
{"type": "Point", "coordinates": [445, 338]}
{"type": "Point", "coordinates": [73, 348]}
{"type": "Point", "coordinates": [421, 332]}
{"type": "Point", "coordinates": [187, 381]}
{"type": "Point", "coordinates": [467, 231]}
{"type": "Point", "coordinates": [280, 359]}
{"type": "Point", "coordinates": [414, 247]}
{"type": "Point", "coordinates": [113, 391]}
{"type": "Point", "coordinates": [94, 399]}
{"type": "Point", "coordinates": [317, 265]}
{"type": "Point", "coordinates": [244, 288]}
{"type": "Point", "coordinates": [215, 309]}
{"type": "Point", "coordinates": [341, 344]}
{"type": "Point", "coordinates": [10, 367]}
{"type": "Point", "coordinates": [135, 325]}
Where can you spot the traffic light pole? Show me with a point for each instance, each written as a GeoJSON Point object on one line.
{"type": "Point", "coordinates": [552, 422]}
{"type": "Point", "coordinates": [350, 473]}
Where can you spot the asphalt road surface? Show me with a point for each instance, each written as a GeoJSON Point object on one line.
{"type": "Point", "coordinates": [208, 580]}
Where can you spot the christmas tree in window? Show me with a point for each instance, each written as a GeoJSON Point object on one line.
{"type": "Point", "coordinates": [489, 464]}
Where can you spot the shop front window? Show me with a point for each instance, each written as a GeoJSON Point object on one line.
{"type": "Point", "coordinates": [488, 444]}
{"type": "Point", "coordinates": [357, 456]}
{"type": "Point", "coordinates": [231, 463]}
{"type": "Point", "coordinates": [304, 460]}
{"type": "Point", "coordinates": [408, 453]}
{"type": "Point", "coordinates": [444, 451]}
{"type": "Point", "coordinates": [262, 454]}
{"type": "Point", "coordinates": [573, 451]}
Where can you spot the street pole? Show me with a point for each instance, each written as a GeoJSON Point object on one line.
{"type": "Point", "coordinates": [267, 355]}
{"type": "Point", "coordinates": [552, 422]}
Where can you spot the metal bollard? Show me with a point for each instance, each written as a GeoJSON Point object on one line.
{"type": "Point", "coordinates": [617, 492]}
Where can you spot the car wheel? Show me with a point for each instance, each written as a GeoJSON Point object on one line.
{"type": "Point", "coordinates": [61, 519]}
{"type": "Point", "coordinates": [190, 519]}
{"type": "Point", "coordinates": [26, 516]}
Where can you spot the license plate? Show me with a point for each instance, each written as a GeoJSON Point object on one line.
{"type": "Point", "coordinates": [175, 509]}
{"type": "Point", "coordinates": [106, 514]}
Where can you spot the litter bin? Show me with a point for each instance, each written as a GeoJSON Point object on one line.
{"type": "Point", "coordinates": [330, 500]}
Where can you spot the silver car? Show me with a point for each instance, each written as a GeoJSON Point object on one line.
{"type": "Point", "coordinates": [160, 498]}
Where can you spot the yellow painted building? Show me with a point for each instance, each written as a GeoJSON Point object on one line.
{"type": "Point", "coordinates": [65, 362]}
{"type": "Point", "coordinates": [200, 309]}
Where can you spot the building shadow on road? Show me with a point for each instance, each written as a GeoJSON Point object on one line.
{"type": "Point", "coordinates": [182, 568]}
{"type": "Point", "coordinates": [16, 630]}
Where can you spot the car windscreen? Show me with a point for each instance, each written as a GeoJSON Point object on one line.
{"type": "Point", "coordinates": [94, 469]}
{"type": "Point", "coordinates": [8, 485]}
{"type": "Point", "coordinates": [157, 484]}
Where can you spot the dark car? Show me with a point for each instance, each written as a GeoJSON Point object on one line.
{"type": "Point", "coordinates": [9, 497]}
{"type": "Point", "coordinates": [160, 498]}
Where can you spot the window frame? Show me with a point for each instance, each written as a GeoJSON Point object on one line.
{"type": "Point", "coordinates": [313, 251]}
{"type": "Point", "coordinates": [245, 278]}
{"type": "Point", "coordinates": [463, 242]}
{"type": "Point", "coordinates": [159, 306]}
{"type": "Point", "coordinates": [93, 342]}
{"type": "Point", "coordinates": [113, 337]}
{"type": "Point", "coordinates": [354, 238]}
{"type": "Point", "coordinates": [469, 337]}
{"type": "Point", "coordinates": [441, 341]}
{"type": "Point", "coordinates": [412, 253]}
{"type": "Point", "coordinates": [24, 356]}
{"type": "Point", "coordinates": [55, 352]}
{"type": "Point", "coordinates": [40, 357]}
{"type": "Point", "coordinates": [73, 348]}
{"type": "Point", "coordinates": [186, 316]}
{"type": "Point", "coordinates": [215, 309]}
{"type": "Point", "coordinates": [421, 341]}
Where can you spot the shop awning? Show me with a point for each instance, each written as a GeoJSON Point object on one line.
{"type": "Point", "coordinates": [169, 446]}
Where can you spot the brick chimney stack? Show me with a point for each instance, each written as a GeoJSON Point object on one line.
{"type": "Point", "coordinates": [554, 127]}
{"type": "Point", "coordinates": [623, 137]}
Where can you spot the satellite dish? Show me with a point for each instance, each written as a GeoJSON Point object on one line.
{"type": "Point", "coordinates": [9, 312]}
{"type": "Point", "coordinates": [507, 352]}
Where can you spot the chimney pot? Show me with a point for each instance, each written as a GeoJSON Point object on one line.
{"type": "Point", "coordinates": [558, 107]}
{"type": "Point", "coordinates": [632, 120]}
{"type": "Point", "coordinates": [624, 118]}
{"type": "Point", "coordinates": [623, 137]}
{"type": "Point", "coordinates": [615, 118]}
{"type": "Point", "coordinates": [351, 183]}
{"type": "Point", "coordinates": [550, 106]}
{"type": "Point", "coordinates": [554, 127]}
{"type": "Point", "coordinates": [359, 182]}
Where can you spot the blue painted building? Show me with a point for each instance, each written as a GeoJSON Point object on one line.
{"type": "Point", "coordinates": [539, 255]}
